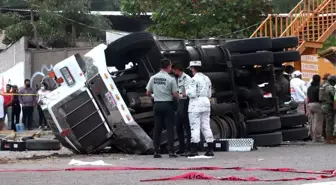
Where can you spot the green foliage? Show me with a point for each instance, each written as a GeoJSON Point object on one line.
{"type": "Point", "coordinates": [60, 23]}
{"type": "Point", "coordinates": [15, 31]}
{"type": "Point", "coordinates": [9, 19]}
{"type": "Point", "coordinates": [284, 6]}
{"type": "Point", "coordinates": [105, 5]}
{"type": "Point", "coordinates": [199, 18]}
{"type": "Point", "coordinates": [330, 42]}
{"type": "Point", "coordinates": [13, 3]}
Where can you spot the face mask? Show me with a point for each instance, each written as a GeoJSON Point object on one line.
{"type": "Point", "coordinates": [43, 88]}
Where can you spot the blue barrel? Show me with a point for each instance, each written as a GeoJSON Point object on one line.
{"type": "Point", "coordinates": [20, 127]}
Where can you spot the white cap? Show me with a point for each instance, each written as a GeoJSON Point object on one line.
{"type": "Point", "coordinates": [196, 63]}
{"type": "Point", "coordinates": [296, 73]}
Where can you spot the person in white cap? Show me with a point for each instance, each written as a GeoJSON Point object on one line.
{"type": "Point", "coordinates": [199, 93]}
{"type": "Point", "coordinates": [298, 90]}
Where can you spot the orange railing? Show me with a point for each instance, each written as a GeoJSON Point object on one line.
{"type": "Point", "coordinates": [286, 24]}
{"type": "Point", "coordinates": [310, 20]}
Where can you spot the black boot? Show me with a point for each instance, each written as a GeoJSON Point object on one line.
{"type": "Point", "coordinates": [180, 151]}
{"type": "Point", "coordinates": [209, 151]}
{"type": "Point", "coordinates": [193, 150]}
{"type": "Point", "coordinates": [172, 154]}
{"type": "Point", "coordinates": [157, 153]}
{"type": "Point", "coordinates": [186, 153]}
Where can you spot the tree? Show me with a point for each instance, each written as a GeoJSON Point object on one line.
{"type": "Point", "coordinates": [59, 23]}
{"type": "Point", "coordinates": [105, 5]}
{"type": "Point", "coordinates": [284, 6]}
{"type": "Point", "coordinates": [198, 19]}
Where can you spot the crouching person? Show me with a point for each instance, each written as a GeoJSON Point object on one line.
{"type": "Point", "coordinates": [199, 93]}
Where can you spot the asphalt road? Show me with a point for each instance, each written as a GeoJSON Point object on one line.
{"type": "Point", "coordinates": [307, 156]}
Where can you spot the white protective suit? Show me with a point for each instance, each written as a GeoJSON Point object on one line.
{"type": "Point", "coordinates": [298, 88]}
{"type": "Point", "coordinates": [199, 93]}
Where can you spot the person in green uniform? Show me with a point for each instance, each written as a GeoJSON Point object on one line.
{"type": "Point", "coordinates": [164, 88]}
{"type": "Point", "coordinates": [326, 96]}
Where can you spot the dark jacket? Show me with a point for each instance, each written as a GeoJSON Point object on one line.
{"type": "Point", "coordinates": [313, 93]}
{"type": "Point", "coordinates": [29, 99]}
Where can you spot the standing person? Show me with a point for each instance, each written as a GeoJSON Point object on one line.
{"type": "Point", "coordinates": [298, 90]}
{"type": "Point", "coordinates": [41, 96]}
{"type": "Point", "coordinates": [16, 107]}
{"type": "Point", "coordinates": [28, 100]}
{"type": "Point", "coordinates": [8, 99]}
{"type": "Point", "coordinates": [164, 88]}
{"type": "Point", "coordinates": [325, 79]}
{"type": "Point", "coordinates": [315, 109]}
{"type": "Point", "coordinates": [199, 92]}
{"type": "Point", "coordinates": [326, 96]}
{"type": "Point", "coordinates": [2, 112]}
{"type": "Point", "coordinates": [182, 121]}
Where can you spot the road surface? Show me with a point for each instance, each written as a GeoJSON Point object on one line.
{"type": "Point", "coordinates": [304, 156]}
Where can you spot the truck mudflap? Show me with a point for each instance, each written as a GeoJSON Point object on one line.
{"type": "Point", "coordinates": [127, 136]}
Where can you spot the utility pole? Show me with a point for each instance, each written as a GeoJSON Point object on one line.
{"type": "Point", "coordinates": [34, 29]}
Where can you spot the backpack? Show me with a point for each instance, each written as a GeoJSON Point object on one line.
{"type": "Point", "coordinates": [323, 93]}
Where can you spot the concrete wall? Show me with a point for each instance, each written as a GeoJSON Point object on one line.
{"type": "Point", "coordinates": [41, 58]}
{"type": "Point", "coordinates": [13, 55]}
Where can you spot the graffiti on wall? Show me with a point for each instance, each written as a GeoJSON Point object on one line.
{"type": "Point", "coordinates": [43, 76]}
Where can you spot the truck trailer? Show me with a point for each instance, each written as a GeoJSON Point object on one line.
{"type": "Point", "coordinates": [93, 108]}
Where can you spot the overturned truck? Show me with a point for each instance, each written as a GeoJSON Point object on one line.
{"type": "Point", "coordinates": [94, 108]}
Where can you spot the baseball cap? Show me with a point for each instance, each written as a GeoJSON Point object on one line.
{"type": "Point", "coordinates": [296, 73]}
{"type": "Point", "coordinates": [196, 63]}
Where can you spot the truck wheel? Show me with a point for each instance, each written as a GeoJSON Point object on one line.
{"type": "Point", "coordinates": [232, 126]}
{"type": "Point", "coordinates": [43, 144]}
{"type": "Point", "coordinates": [286, 56]}
{"type": "Point", "coordinates": [134, 45]}
{"type": "Point", "coordinates": [249, 45]}
{"type": "Point", "coordinates": [263, 125]}
{"type": "Point", "coordinates": [223, 125]}
{"type": "Point", "coordinates": [216, 129]}
{"type": "Point", "coordinates": [284, 42]}
{"type": "Point", "coordinates": [269, 139]}
{"type": "Point", "coordinates": [295, 134]}
{"type": "Point", "coordinates": [250, 59]}
{"type": "Point", "coordinates": [292, 120]}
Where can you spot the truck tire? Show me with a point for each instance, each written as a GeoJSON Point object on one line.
{"type": "Point", "coordinates": [269, 139]}
{"type": "Point", "coordinates": [249, 45]}
{"type": "Point", "coordinates": [281, 43]}
{"type": "Point", "coordinates": [295, 134]}
{"type": "Point", "coordinates": [134, 45]}
{"type": "Point", "coordinates": [286, 56]}
{"type": "Point", "coordinates": [221, 109]}
{"type": "Point", "coordinates": [263, 125]}
{"type": "Point", "coordinates": [250, 59]}
{"type": "Point", "coordinates": [292, 120]}
{"type": "Point", "coordinates": [43, 144]}
{"type": "Point", "coordinates": [232, 126]}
